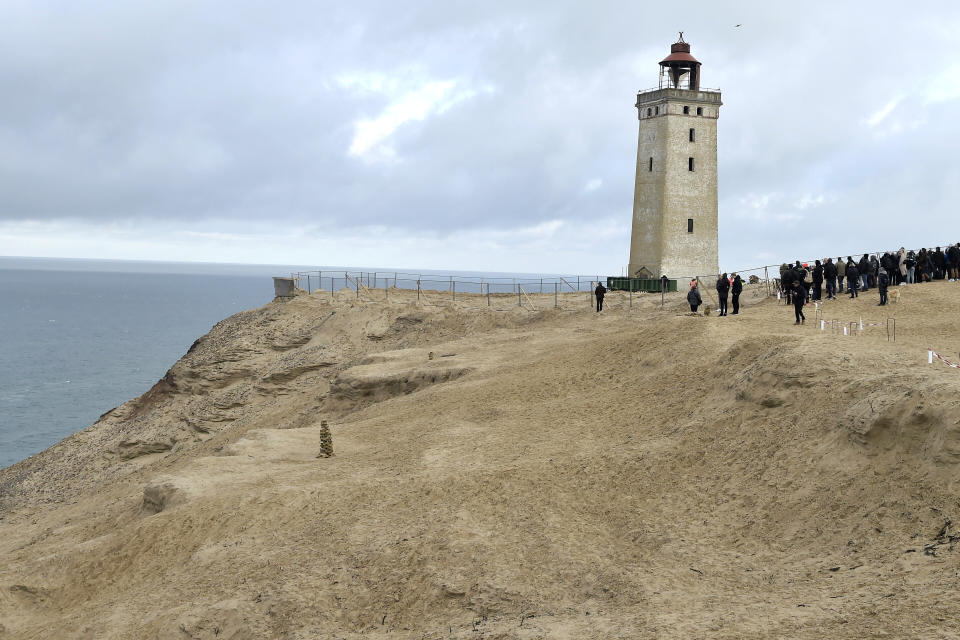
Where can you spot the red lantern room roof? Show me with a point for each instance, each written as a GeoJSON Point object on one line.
{"type": "Point", "coordinates": [679, 52]}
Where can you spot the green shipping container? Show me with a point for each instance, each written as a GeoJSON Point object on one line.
{"type": "Point", "coordinates": [638, 284]}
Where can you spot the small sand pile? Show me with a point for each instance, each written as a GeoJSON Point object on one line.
{"type": "Point", "coordinates": [507, 471]}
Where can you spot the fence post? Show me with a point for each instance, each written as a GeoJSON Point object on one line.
{"type": "Point", "coordinates": [453, 288]}
{"type": "Point", "coordinates": [358, 287]}
{"type": "Point", "coordinates": [519, 301]}
{"type": "Point", "coordinates": [556, 287]}
{"type": "Point", "coordinates": [488, 294]}
{"type": "Point", "coordinates": [418, 289]}
{"type": "Point", "coordinates": [631, 296]}
{"type": "Point", "coordinates": [591, 294]}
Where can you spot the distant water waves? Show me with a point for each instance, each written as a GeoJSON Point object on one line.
{"type": "Point", "coordinates": [74, 344]}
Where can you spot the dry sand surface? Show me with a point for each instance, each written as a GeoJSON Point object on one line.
{"type": "Point", "coordinates": [505, 472]}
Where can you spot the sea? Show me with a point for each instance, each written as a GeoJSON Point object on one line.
{"type": "Point", "coordinates": [80, 337]}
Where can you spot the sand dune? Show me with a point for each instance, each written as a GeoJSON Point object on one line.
{"type": "Point", "coordinates": [505, 472]}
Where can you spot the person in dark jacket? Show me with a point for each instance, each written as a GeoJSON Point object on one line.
{"type": "Point", "coordinates": [863, 268]}
{"type": "Point", "coordinates": [786, 281]}
{"type": "Point", "coordinates": [723, 290]}
{"type": "Point", "coordinates": [953, 255]}
{"type": "Point", "coordinates": [599, 292]}
{"type": "Point", "coordinates": [817, 280]}
{"type": "Point", "coordinates": [929, 268]}
{"type": "Point", "coordinates": [922, 264]}
{"type": "Point", "coordinates": [830, 275]}
{"type": "Point", "coordinates": [939, 264]}
{"type": "Point", "coordinates": [693, 297]}
{"type": "Point", "coordinates": [853, 277]}
{"type": "Point", "coordinates": [737, 289]}
{"type": "Point", "coordinates": [910, 265]}
{"type": "Point", "coordinates": [799, 298]}
{"type": "Point", "coordinates": [889, 263]}
{"type": "Point", "coordinates": [883, 281]}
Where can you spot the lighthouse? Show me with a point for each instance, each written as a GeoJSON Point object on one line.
{"type": "Point", "coordinates": [675, 229]}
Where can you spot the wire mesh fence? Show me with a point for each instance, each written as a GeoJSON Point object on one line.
{"type": "Point", "coordinates": [310, 281]}
{"type": "Point", "coordinates": [495, 292]}
{"type": "Point", "coordinates": [757, 282]}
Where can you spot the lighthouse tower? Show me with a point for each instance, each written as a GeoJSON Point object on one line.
{"type": "Point", "coordinates": [675, 231]}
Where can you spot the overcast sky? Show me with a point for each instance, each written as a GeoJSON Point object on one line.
{"type": "Point", "coordinates": [470, 136]}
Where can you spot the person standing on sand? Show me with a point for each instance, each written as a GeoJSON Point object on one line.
{"type": "Point", "coordinates": [600, 291]}
{"type": "Point", "coordinates": [799, 298]}
{"type": "Point", "coordinates": [853, 277]}
{"type": "Point", "coordinates": [736, 289]}
{"type": "Point", "coordinates": [841, 273]}
{"type": "Point", "coordinates": [693, 297]}
{"type": "Point", "coordinates": [817, 280]}
{"type": "Point", "coordinates": [953, 254]}
{"type": "Point", "coordinates": [786, 281]}
{"type": "Point", "coordinates": [723, 289]}
{"type": "Point", "coordinates": [863, 268]}
{"type": "Point", "coordinates": [883, 280]}
{"type": "Point", "coordinates": [830, 274]}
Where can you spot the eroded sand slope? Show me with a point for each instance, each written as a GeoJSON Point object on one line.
{"type": "Point", "coordinates": [508, 474]}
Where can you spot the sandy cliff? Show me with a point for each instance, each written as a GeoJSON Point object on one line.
{"type": "Point", "coordinates": [508, 473]}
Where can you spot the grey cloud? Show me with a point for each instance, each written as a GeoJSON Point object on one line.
{"type": "Point", "coordinates": [179, 111]}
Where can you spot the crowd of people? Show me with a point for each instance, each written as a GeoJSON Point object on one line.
{"type": "Point", "coordinates": [871, 270]}
{"type": "Point", "coordinates": [800, 283]}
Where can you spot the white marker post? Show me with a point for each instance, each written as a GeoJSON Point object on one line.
{"type": "Point", "coordinates": [844, 331]}
{"type": "Point", "coordinates": [929, 356]}
{"type": "Point", "coordinates": [822, 325]}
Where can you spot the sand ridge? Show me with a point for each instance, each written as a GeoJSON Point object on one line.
{"type": "Point", "coordinates": [508, 473]}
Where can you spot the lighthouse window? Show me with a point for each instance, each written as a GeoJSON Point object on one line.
{"type": "Point", "coordinates": [690, 164]}
{"type": "Point", "coordinates": [689, 225]}
{"type": "Point", "coordinates": [699, 111]}
{"type": "Point", "coordinates": [693, 136]}
{"type": "Point", "coordinates": [686, 111]}
{"type": "Point", "coordinates": [651, 163]}
{"type": "Point", "coordinates": [649, 112]}
{"type": "Point", "coordinates": [656, 110]}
